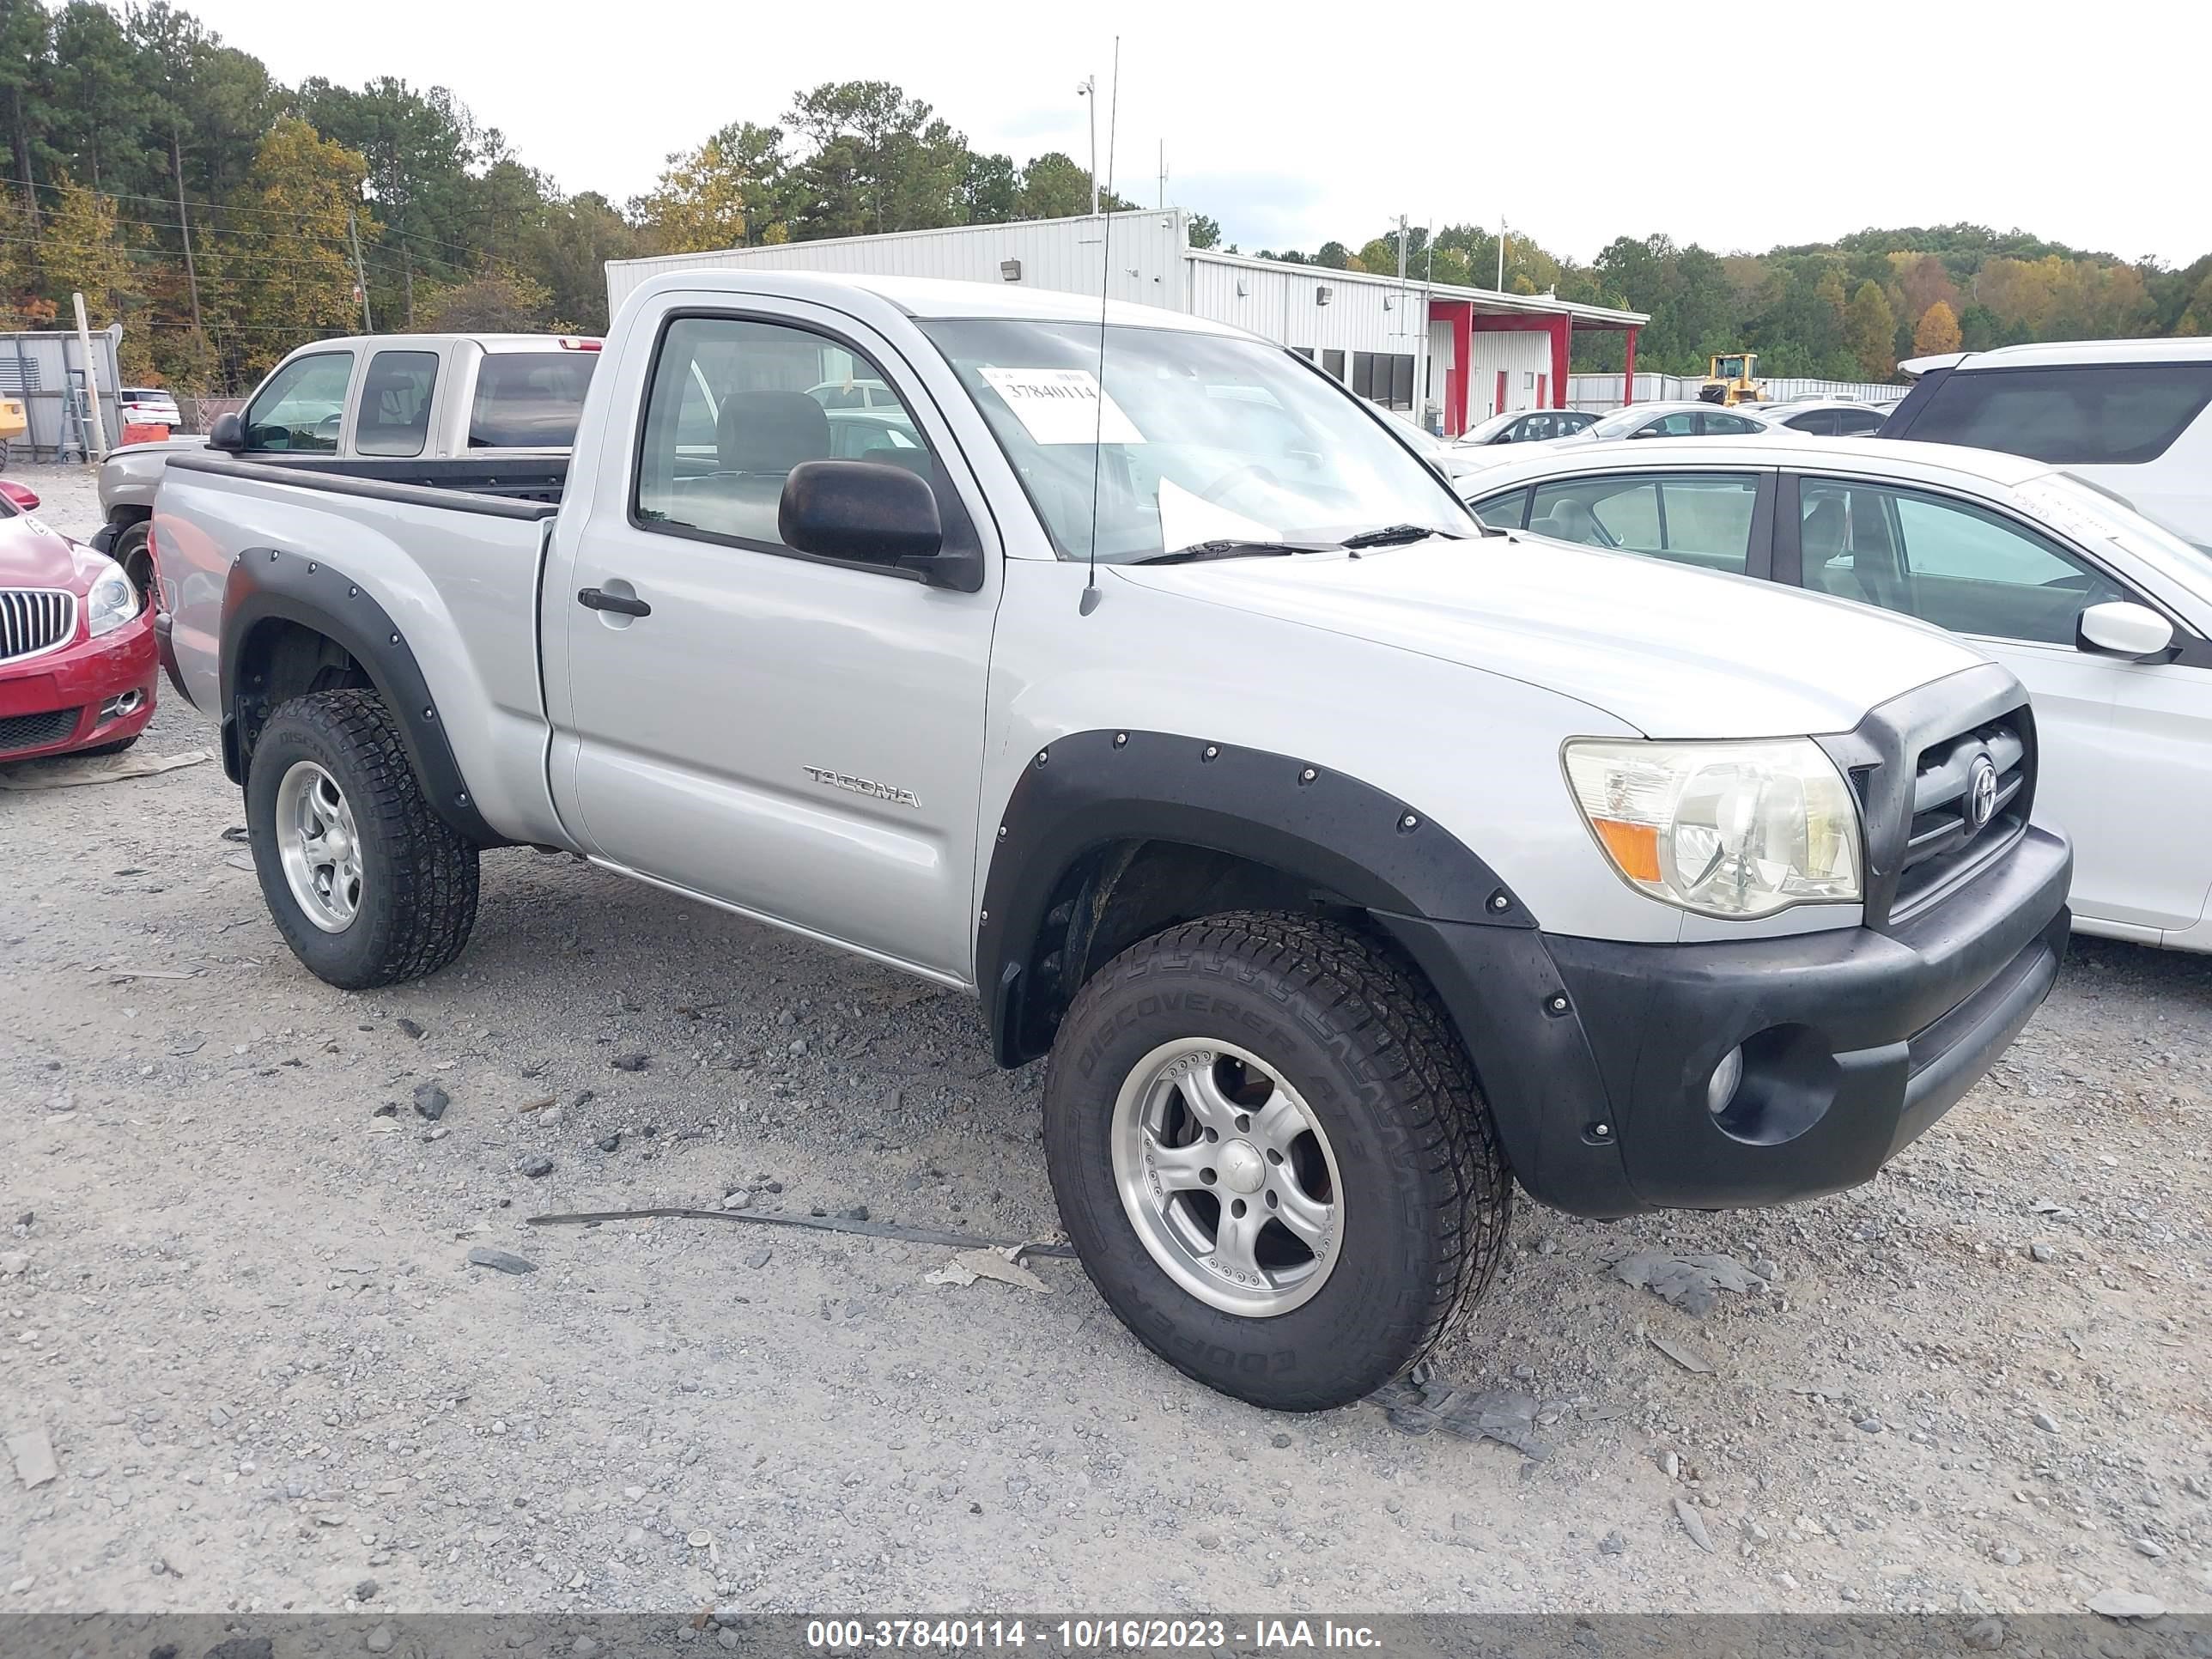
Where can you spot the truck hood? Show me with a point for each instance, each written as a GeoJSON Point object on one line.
{"type": "Point", "coordinates": [1675, 653]}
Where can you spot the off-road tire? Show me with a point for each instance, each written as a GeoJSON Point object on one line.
{"type": "Point", "coordinates": [1425, 1194]}
{"type": "Point", "coordinates": [418, 898]}
{"type": "Point", "coordinates": [133, 544]}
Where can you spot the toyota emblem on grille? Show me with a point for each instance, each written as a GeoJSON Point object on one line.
{"type": "Point", "coordinates": [1981, 794]}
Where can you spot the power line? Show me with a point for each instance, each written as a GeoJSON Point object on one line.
{"type": "Point", "coordinates": [418, 236]}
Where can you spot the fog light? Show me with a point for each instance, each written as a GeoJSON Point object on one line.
{"type": "Point", "coordinates": [1719, 1087]}
{"type": "Point", "coordinates": [117, 708]}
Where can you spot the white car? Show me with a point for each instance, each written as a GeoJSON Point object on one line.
{"type": "Point", "coordinates": [148, 405]}
{"type": "Point", "coordinates": [2131, 416]}
{"type": "Point", "coordinates": [1525, 426]}
{"type": "Point", "coordinates": [1652, 420]}
{"type": "Point", "coordinates": [1823, 417]}
{"type": "Point", "coordinates": [2106, 617]}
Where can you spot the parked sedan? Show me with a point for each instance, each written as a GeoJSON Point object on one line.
{"type": "Point", "coordinates": [2106, 617]}
{"type": "Point", "coordinates": [1525, 426]}
{"type": "Point", "coordinates": [1824, 417]}
{"type": "Point", "coordinates": [77, 657]}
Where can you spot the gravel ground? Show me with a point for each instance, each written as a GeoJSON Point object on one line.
{"type": "Point", "coordinates": [239, 1305]}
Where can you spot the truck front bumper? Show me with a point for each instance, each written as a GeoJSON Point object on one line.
{"type": "Point", "coordinates": [1599, 1059]}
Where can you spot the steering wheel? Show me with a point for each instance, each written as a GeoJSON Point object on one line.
{"type": "Point", "coordinates": [1221, 486]}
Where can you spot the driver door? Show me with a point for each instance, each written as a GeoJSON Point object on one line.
{"type": "Point", "coordinates": [796, 737]}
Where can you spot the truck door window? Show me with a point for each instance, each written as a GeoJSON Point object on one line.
{"type": "Point", "coordinates": [1694, 518]}
{"type": "Point", "coordinates": [395, 402]}
{"type": "Point", "coordinates": [1949, 563]}
{"type": "Point", "coordinates": [734, 404]}
{"type": "Point", "coordinates": [301, 406]}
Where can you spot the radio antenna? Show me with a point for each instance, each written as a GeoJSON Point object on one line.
{"type": "Point", "coordinates": [1091, 594]}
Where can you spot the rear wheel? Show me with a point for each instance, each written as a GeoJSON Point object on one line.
{"type": "Point", "coordinates": [1272, 1156]}
{"type": "Point", "coordinates": [368, 885]}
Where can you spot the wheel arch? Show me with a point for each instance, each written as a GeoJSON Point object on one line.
{"type": "Point", "coordinates": [1109, 836]}
{"type": "Point", "coordinates": [292, 625]}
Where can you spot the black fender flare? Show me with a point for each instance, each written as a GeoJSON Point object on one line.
{"type": "Point", "coordinates": [1434, 896]}
{"type": "Point", "coordinates": [265, 584]}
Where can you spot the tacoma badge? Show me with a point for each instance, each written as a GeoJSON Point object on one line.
{"type": "Point", "coordinates": [822, 774]}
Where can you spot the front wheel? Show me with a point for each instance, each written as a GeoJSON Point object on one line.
{"type": "Point", "coordinates": [368, 885]}
{"type": "Point", "coordinates": [1272, 1159]}
{"type": "Point", "coordinates": [134, 552]}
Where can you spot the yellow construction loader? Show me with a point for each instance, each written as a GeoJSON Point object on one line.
{"type": "Point", "coordinates": [1735, 379]}
{"type": "Point", "coordinates": [14, 426]}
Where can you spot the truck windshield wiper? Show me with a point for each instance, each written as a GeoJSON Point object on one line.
{"type": "Point", "coordinates": [1232, 549]}
{"type": "Point", "coordinates": [1395, 535]}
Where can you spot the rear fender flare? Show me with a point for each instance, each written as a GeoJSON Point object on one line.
{"type": "Point", "coordinates": [266, 583]}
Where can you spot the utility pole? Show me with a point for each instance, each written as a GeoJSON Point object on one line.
{"type": "Point", "coordinates": [91, 386]}
{"type": "Point", "coordinates": [359, 275]}
{"type": "Point", "coordinates": [1501, 253]}
{"type": "Point", "coordinates": [1401, 250]}
{"type": "Point", "coordinates": [1164, 172]}
{"type": "Point", "coordinates": [184, 225]}
{"type": "Point", "coordinates": [1088, 87]}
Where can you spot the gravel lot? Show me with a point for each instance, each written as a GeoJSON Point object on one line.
{"type": "Point", "coordinates": [239, 1304]}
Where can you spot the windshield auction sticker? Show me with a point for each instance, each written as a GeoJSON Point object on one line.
{"type": "Point", "coordinates": [1061, 405]}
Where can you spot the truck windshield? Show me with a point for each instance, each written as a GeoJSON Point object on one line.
{"type": "Point", "coordinates": [1197, 439]}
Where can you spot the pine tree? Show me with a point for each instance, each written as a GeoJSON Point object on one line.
{"type": "Point", "coordinates": [1870, 328]}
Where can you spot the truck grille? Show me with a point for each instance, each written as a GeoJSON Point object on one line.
{"type": "Point", "coordinates": [1969, 794]}
{"type": "Point", "coordinates": [34, 619]}
{"type": "Point", "coordinates": [19, 732]}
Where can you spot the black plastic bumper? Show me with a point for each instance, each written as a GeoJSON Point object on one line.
{"type": "Point", "coordinates": [1596, 1056]}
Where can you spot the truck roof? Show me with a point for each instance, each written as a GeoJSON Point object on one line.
{"type": "Point", "coordinates": [2054, 354]}
{"type": "Point", "coordinates": [489, 342]}
{"type": "Point", "coordinates": [929, 297]}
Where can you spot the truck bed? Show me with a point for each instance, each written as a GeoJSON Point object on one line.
{"type": "Point", "coordinates": [454, 549]}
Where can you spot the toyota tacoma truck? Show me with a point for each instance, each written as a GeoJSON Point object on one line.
{"type": "Point", "coordinates": [1351, 864]}
{"type": "Point", "coordinates": [387, 401]}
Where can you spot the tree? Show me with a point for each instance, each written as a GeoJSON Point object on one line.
{"type": "Point", "coordinates": [729, 192]}
{"type": "Point", "coordinates": [876, 161]}
{"type": "Point", "coordinates": [1203, 232]}
{"type": "Point", "coordinates": [497, 299]}
{"type": "Point", "coordinates": [1336, 257]}
{"type": "Point", "coordinates": [297, 284]}
{"type": "Point", "coordinates": [1868, 327]}
{"type": "Point", "coordinates": [80, 250]}
{"type": "Point", "coordinates": [569, 249]}
{"type": "Point", "coordinates": [1937, 330]}
{"type": "Point", "coordinates": [1055, 187]}
{"type": "Point", "coordinates": [990, 190]}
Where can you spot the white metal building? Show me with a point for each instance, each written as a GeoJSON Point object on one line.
{"type": "Point", "coordinates": [1446, 355]}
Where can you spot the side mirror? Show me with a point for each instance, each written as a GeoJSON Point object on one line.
{"type": "Point", "coordinates": [228, 432]}
{"type": "Point", "coordinates": [1645, 432]}
{"type": "Point", "coordinates": [867, 511]}
{"type": "Point", "coordinates": [23, 496]}
{"type": "Point", "coordinates": [2121, 627]}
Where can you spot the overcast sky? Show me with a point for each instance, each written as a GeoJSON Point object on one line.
{"type": "Point", "coordinates": [1294, 123]}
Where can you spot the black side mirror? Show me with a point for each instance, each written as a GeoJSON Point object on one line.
{"type": "Point", "coordinates": [229, 434]}
{"type": "Point", "coordinates": [865, 511]}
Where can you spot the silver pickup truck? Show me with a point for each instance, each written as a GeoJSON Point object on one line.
{"type": "Point", "coordinates": [1353, 864]}
{"type": "Point", "coordinates": [388, 398]}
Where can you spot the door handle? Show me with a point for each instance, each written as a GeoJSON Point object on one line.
{"type": "Point", "coordinates": [593, 599]}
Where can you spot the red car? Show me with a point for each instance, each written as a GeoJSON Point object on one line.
{"type": "Point", "coordinates": [78, 660]}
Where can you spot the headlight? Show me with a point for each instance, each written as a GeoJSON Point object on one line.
{"type": "Point", "coordinates": [1724, 828]}
{"type": "Point", "coordinates": [113, 600]}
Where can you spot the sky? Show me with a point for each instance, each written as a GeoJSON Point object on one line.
{"type": "Point", "coordinates": [1737, 126]}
